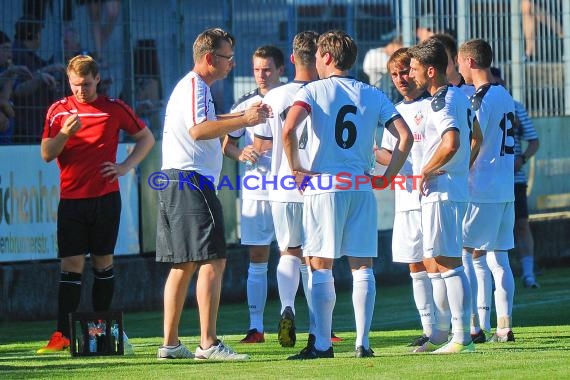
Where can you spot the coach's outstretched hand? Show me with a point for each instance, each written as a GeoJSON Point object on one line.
{"type": "Point", "coordinates": [257, 114]}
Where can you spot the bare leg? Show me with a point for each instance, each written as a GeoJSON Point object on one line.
{"type": "Point", "coordinates": [175, 291]}
{"type": "Point", "coordinates": [112, 9]}
{"type": "Point", "coordinates": [102, 29]}
{"type": "Point", "coordinates": [208, 291]}
{"type": "Point", "coordinates": [525, 247]}
{"type": "Point", "coordinates": [528, 26]}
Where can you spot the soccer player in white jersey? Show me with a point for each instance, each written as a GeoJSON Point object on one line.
{"type": "Point", "coordinates": [444, 172]}
{"type": "Point", "coordinates": [190, 227]}
{"type": "Point", "coordinates": [407, 232]}
{"type": "Point", "coordinates": [286, 200]}
{"type": "Point", "coordinates": [524, 131]}
{"type": "Point", "coordinates": [340, 220]}
{"type": "Point", "coordinates": [489, 221]}
{"type": "Point", "coordinates": [256, 219]}
{"type": "Point", "coordinates": [455, 78]}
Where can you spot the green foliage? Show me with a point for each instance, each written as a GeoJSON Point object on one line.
{"type": "Point", "coordinates": [541, 329]}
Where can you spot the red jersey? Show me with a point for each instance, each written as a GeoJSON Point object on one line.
{"type": "Point", "coordinates": [94, 143]}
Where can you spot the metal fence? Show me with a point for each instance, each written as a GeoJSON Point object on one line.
{"type": "Point", "coordinates": [145, 47]}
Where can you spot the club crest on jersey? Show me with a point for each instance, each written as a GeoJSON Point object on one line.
{"type": "Point", "coordinates": [419, 117]}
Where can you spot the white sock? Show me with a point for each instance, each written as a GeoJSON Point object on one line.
{"type": "Point", "coordinates": [467, 259]}
{"type": "Point", "coordinates": [527, 264]}
{"type": "Point", "coordinates": [323, 298]}
{"type": "Point", "coordinates": [306, 277]}
{"type": "Point", "coordinates": [256, 294]}
{"type": "Point", "coordinates": [504, 282]}
{"type": "Point", "coordinates": [423, 296]}
{"type": "Point", "coordinates": [288, 274]}
{"type": "Point", "coordinates": [442, 312]}
{"type": "Point", "coordinates": [363, 300]}
{"type": "Point", "coordinates": [458, 295]}
{"type": "Point", "coordinates": [484, 291]}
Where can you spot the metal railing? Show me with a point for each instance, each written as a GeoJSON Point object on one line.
{"type": "Point", "coordinates": [150, 47]}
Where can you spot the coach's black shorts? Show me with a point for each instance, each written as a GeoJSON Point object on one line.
{"type": "Point", "coordinates": [190, 224]}
{"type": "Point", "coordinates": [89, 225]}
{"type": "Point", "coordinates": [521, 206]}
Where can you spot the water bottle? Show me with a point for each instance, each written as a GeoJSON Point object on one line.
{"type": "Point", "coordinates": [101, 336]}
{"type": "Point", "coordinates": [127, 346]}
{"type": "Point", "coordinates": [250, 165]}
{"type": "Point", "coordinates": [92, 336]}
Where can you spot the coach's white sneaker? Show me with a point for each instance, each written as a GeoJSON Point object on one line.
{"type": "Point", "coordinates": [219, 352]}
{"type": "Point", "coordinates": [455, 348]}
{"type": "Point", "coordinates": [178, 352]}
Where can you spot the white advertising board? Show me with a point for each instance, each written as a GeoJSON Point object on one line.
{"type": "Point", "coordinates": [29, 196]}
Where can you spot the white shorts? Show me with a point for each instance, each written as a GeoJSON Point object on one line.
{"type": "Point", "coordinates": [256, 222]}
{"type": "Point", "coordinates": [288, 222]}
{"type": "Point", "coordinates": [407, 240]}
{"type": "Point", "coordinates": [340, 223]}
{"type": "Point", "coordinates": [489, 226]}
{"type": "Point", "coordinates": [442, 223]}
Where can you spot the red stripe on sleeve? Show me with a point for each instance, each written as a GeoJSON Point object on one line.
{"type": "Point", "coordinates": [206, 103]}
{"type": "Point", "coordinates": [194, 101]}
{"type": "Point", "coordinates": [304, 105]}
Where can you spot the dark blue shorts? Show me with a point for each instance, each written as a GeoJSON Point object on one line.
{"type": "Point", "coordinates": [521, 206]}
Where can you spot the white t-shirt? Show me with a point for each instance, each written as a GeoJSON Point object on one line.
{"type": "Point", "coordinates": [253, 188]}
{"type": "Point", "coordinates": [280, 99]}
{"type": "Point", "coordinates": [450, 111]}
{"type": "Point", "coordinates": [190, 104]}
{"type": "Point", "coordinates": [344, 116]}
{"type": "Point", "coordinates": [492, 177]}
{"type": "Point", "coordinates": [415, 113]}
{"type": "Point", "coordinates": [374, 65]}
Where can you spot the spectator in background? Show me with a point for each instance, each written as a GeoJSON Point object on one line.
{"type": "Point", "coordinates": [32, 97]}
{"type": "Point", "coordinates": [534, 13]}
{"type": "Point", "coordinates": [72, 44]}
{"type": "Point", "coordinates": [375, 60]}
{"type": "Point", "coordinates": [524, 242]}
{"type": "Point", "coordinates": [103, 15]}
{"type": "Point", "coordinates": [37, 9]}
{"type": "Point", "coordinates": [9, 73]}
{"type": "Point", "coordinates": [426, 27]}
{"type": "Point", "coordinates": [147, 88]}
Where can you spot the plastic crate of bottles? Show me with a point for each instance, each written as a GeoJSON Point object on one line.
{"type": "Point", "coordinates": [97, 333]}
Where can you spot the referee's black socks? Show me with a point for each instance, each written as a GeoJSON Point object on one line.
{"type": "Point", "coordinates": [68, 299]}
{"type": "Point", "coordinates": [103, 287]}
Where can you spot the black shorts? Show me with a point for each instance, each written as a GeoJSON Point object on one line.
{"type": "Point", "coordinates": [521, 206]}
{"type": "Point", "coordinates": [88, 225]}
{"type": "Point", "coordinates": [190, 226]}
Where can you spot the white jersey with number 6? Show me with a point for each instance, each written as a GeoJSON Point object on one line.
{"type": "Point", "coordinates": [344, 116]}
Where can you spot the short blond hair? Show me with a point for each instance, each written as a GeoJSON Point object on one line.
{"type": "Point", "coordinates": [83, 65]}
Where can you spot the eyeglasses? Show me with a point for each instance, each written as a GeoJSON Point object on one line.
{"type": "Point", "coordinates": [230, 58]}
